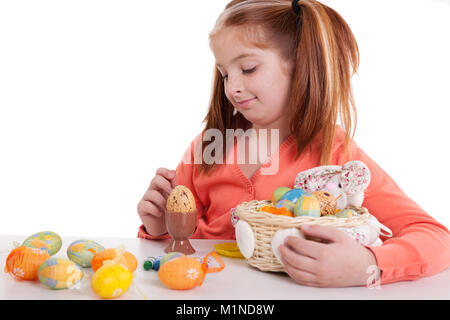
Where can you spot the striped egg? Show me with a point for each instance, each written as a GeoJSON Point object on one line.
{"type": "Point", "coordinates": [59, 273]}
{"type": "Point", "coordinates": [170, 256]}
{"type": "Point", "coordinates": [45, 240]}
{"type": "Point", "coordinates": [307, 205]}
{"type": "Point", "coordinates": [82, 251]}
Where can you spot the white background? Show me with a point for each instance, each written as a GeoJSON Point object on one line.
{"type": "Point", "coordinates": [96, 95]}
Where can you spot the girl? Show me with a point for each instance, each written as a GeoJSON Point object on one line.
{"type": "Point", "coordinates": [286, 67]}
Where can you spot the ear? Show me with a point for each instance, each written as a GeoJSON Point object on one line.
{"type": "Point", "coordinates": [355, 177]}
{"type": "Point", "coordinates": [316, 178]}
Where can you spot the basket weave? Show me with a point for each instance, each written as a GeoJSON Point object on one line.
{"type": "Point", "coordinates": [264, 226]}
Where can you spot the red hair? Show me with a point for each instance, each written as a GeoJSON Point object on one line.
{"type": "Point", "coordinates": [325, 56]}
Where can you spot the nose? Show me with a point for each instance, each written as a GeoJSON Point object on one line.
{"type": "Point", "coordinates": [234, 85]}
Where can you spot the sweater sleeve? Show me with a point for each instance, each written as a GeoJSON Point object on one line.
{"type": "Point", "coordinates": [184, 176]}
{"type": "Point", "coordinates": [420, 246]}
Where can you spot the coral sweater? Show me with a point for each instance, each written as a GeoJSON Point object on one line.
{"type": "Point", "coordinates": [420, 246]}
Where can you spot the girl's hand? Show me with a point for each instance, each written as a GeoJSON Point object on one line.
{"type": "Point", "coordinates": [153, 203]}
{"type": "Point", "coordinates": [341, 262]}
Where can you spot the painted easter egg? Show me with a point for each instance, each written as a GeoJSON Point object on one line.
{"type": "Point", "coordinates": [45, 240]}
{"type": "Point", "coordinates": [278, 193]}
{"type": "Point", "coordinates": [126, 258]}
{"type": "Point", "coordinates": [23, 262]}
{"type": "Point", "coordinates": [170, 256]}
{"type": "Point", "coordinates": [285, 204]}
{"type": "Point", "coordinates": [59, 273]}
{"type": "Point", "coordinates": [289, 199]}
{"type": "Point", "coordinates": [111, 280]}
{"type": "Point", "coordinates": [82, 251]}
{"type": "Point", "coordinates": [293, 195]}
{"type": "Point", "coordinates": [307, 205]}
{"type": "Point", "coordinates": [327, 202]}
{"type": "Point", "coordinates": [181, 273]}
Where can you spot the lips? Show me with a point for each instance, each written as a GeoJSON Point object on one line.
{"type": "Point", "coordinates": [245, 102]}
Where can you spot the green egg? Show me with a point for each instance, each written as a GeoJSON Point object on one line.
{"type": "Point", "coordinates": [170, 256]}
{"type": "Point", "coordinates": [278, 193]}
{"type": "Point", "coordinates": [45, 240]}
{"type": "Point", "coordinates": [82, 251]}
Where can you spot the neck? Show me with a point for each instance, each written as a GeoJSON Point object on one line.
{"type": "Point", "coordinates": [282, 128]}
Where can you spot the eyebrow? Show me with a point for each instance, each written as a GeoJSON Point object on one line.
{"type": "Point", "coordinates": [244, 55]}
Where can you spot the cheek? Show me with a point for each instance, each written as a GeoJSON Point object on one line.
{"type": "Point", "coordinates": [274, 93]}
{"type": "Point", "coordinates": [227, 92]}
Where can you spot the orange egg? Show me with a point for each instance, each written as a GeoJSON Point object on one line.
{"type": "Point", "coordinates": [23, 262]}
{"type": "Point", "coordinates": [126, 258]}
{"type": "Point", "coordinates": [181, 273]}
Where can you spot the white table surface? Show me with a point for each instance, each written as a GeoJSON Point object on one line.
{"type": "Point", "coordinates": [238, 281]}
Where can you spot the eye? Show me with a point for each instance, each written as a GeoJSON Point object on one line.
{"type": "Point", "coordinates": [247, 71]}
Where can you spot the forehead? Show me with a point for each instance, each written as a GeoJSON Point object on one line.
{"type": "Point", "coordinates": [234, 43]}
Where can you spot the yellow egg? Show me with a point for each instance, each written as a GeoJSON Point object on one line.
{"type": "Point", "coordinates": [111, 280]}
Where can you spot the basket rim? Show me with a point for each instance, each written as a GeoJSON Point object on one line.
{"type": "Point", "coordinates": [248, 211]}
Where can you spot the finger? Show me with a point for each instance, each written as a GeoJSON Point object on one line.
{"type": "Point", "coordinates": [304, 247]}
{"type": "Point", "coordinates": [147, 208]}
{"type": "Point", "coordinates": [160, 183]}
{"type": "Point", "coordinates": [166, 173]}
{"type": "Point", "coordinates": [174, 181]}
{"type": "Point", "coordinates": [299, 261]}
{"type": "Point", "coordinates": [156, 198]}
{"type": "Point", "coordinates": [300, 276]}
{"type": "Point", "coordinates": [149, 220]}
{"type": "Point", "coordinates": [330, 234]}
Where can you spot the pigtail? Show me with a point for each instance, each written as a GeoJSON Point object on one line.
{"type": "Point", "coordinates": [326, 58]}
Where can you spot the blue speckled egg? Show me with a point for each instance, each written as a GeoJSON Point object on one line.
{"type": "Point", "coordinates": [82, 251]}
{"type": "Point", "coordinates": [293, 195]}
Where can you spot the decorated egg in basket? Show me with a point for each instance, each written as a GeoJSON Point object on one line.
{"type": "Point", "coordinates": [307, 205]}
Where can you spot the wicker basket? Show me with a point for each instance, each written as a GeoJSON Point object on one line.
{"type": "Point", "coordinates": [264, 225]}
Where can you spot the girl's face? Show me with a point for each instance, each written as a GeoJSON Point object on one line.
{"type": "Point", "coordinates": [256, 81]}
